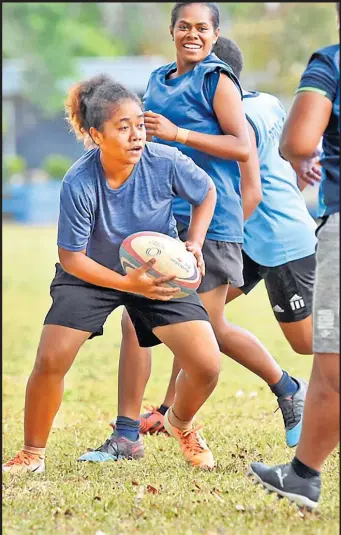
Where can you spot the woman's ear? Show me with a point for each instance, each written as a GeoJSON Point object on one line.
{"type": "Point", "coordinates": [96, 136]}
{"type": "Point", "coordinates": [171, 32]}
{"type": "Point", "coordinates": [217, 33]}
{"type": "Point", "coordinates": [89, 142]}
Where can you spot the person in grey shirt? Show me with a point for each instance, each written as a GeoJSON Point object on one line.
{"type": "Point", "coordinates": [315, 113]}
{"type": "Point", "coordinates": [121, 187]}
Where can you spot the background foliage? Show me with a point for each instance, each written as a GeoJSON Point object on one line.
{"type": "Point", "coordinates": [277, 39]}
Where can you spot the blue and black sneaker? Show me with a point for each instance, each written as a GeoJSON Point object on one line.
{"type": "Point", "coordinates": [115, 448]}
{"type": "Point", "coordinates": [292, 411]}
{"type": "Point", "coordinates": [284, 481]}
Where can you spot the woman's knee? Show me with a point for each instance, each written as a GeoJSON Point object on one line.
{"type": "Point", "coordinates": [299, 334]}
{"type": "Point", "coordinates": [208, 370]}
{"type": "Point", "coordinates": [48, 362]}
{"type": "Point", "coordinates": [53, 360]}
{"type": "Point", "coordinates": [302, 346]}
{"type": "Point", "coordinates": [222, 329]}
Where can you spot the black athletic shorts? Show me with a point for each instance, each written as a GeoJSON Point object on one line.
{"type": "Point", "coordinates": [223, 262]}
{"type": "Point", "coordinates": [83, 306]}
{"type": "Point", "coordinates": [289, 286]}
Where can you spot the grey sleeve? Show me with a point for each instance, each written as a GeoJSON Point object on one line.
{"type": "Point", "coordinates": [74, 224]}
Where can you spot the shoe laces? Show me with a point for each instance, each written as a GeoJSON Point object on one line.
{"type": "Point", "coordinates": [288, 406]}
{"type": "Point", "coordinates": [144, 425]}
{"type": "Point", "coordinates": [22, 457]}
{"type": "Point", "coordinates": [152, 409]}
{"type": "Point", "coordinates": [192, 441]}
{"type": "Point", "coordinates": [110, 442]}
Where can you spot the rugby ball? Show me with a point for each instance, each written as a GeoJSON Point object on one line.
{"type": "Point", "coordinates": [171, 255]}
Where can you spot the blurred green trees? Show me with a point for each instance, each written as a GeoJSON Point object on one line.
{"type": "Point", "coordinates": [56, 165]}
{"type": "Point", "coordinates": [48, 37]}
{"type": "Point", "coordinates": [276, 38]}
{"type": "Point", "coordinates": [280, 41]}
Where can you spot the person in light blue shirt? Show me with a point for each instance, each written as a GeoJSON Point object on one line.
{"type": "Point", "coordinates": [279, 236]}
{"type": "Point", "coordinates": [316, 112]}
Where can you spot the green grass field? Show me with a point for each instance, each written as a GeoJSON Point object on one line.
{"type": "Point", "coordinates": [159, 495]}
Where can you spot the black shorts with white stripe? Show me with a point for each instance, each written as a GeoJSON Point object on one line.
{"type": "Point", "coordinates": [289, 286]}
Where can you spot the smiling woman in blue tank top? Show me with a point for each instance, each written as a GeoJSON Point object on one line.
{"type": "Point", "coordinates": [195, 104]}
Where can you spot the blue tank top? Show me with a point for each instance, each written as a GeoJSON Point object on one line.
{"type": "Point", "coordinates": [280, 230]}
{"type": "Point", "coordinates": [187, 101]}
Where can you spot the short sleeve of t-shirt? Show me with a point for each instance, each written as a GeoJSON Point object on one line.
{"type": "Point", "coordinates": [211, 81]}
{"type": "Point", "coordinates": [144, 96]}
{"type": "Point", "coordinates": [319, 76]}
{"type": "Point", "coordinates": [189, 181]}
{"type": "Point", "coordinates": [74, 224]}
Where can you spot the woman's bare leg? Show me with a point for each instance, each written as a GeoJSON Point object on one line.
{"type": "Point", "coordinates": [299, 334]}
{"type": "Point", "coordinates": [196, 350]}
{"type": "Point", "coordinates": [169, 397]}
{"type": "Point", "coordinates": [132, 357]}
{"type": "Point", "coordinates": [321, 419]}
{"type": "Point", "coordinates": [194, 346]}
{"type": "Point", "coordinates": [57, 350]}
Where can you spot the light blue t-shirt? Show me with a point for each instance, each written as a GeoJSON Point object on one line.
{"type": "Point", "coordinates": [97, 218]}
{"type": "Point", "coordinates": [281, 229]}
{"type": "Point", "coordinates": [187, 101]}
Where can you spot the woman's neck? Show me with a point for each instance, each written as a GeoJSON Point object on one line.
{"type": "Point", "coordinates": [183, 67]}
{"type": "Point", "coordinates": [115, 172]}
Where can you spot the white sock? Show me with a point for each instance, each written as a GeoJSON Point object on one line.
{"type": "Point", "coordinates": [36, 451]}
{"type": "Point", "coordinates": [176, 422]}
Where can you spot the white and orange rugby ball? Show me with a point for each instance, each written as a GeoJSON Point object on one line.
{"type": "Point", "coordinates": [171, 255]}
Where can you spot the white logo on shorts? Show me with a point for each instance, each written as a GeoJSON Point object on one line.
{"type": "Point", "coordinates": [296, 302]}
{"type": "Point", "coordinates": [325, 322]}
{"type": "Point", "coordinates": [277, 308]}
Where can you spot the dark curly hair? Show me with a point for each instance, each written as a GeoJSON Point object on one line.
{"type": "Point", "coordinates": [227, 50]}
{"type": "Point", "coordinates": [91, 103]}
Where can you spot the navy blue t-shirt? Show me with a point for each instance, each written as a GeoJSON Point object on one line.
{"type": "Point", "coordinates": [322, 75]}
{"type": "Point", "coordinates": [97, 218]}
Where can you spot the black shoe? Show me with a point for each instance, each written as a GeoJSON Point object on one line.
{"type": "Point", "coordinates": [283, 480]}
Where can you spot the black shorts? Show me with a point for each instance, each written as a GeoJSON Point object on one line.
{"type": "Point", "coordinates": [289, 286]}
{"type": "Point", "coordinates": [83, 306]}
{"type": "Point", "coordinates": [223, 262]}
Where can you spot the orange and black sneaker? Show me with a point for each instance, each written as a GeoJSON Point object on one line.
{"type": "Point", "coordinates": [25, 462]}
{"type": "Point", "coordinates": [193, 446]}
{"type": "Point", "coordinates": [151, 422]}
{"type": "Point", "coordinates": [115, 448]}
